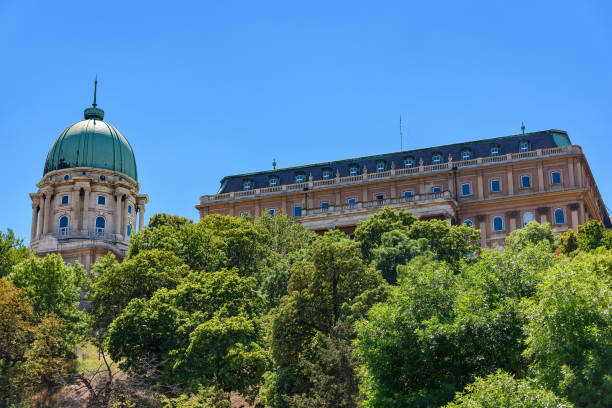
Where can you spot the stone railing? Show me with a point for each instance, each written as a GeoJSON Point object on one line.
{"type": "Point", "coordinates": [375, 203]}
{"type": "Point", "coordinates": [103, 236]}
{"type": "Point", "coordinates": [394, 173]}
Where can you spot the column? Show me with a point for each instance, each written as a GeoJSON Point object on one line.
{"type": "Point", "coordinates": [510, 180]}
{"type": "Point", "coordinates": [34, 220]}
{"type": "Point", "coordinates": [76, 204]}
{"type": "Point", "coordinates": [364, 194]}
{"type": "Point", "coordinates": [542, 212]}
{"type": "Point", "coordinates": [232, 209]}
{"type": "Point", "coordinates": [480, 186]}
{"type": "Point", "coordinates": [141, 213]}
{"type": "Point", "coordinates": [574, 215]}
{"type": "Point", "coordinates": [118, 213]}
{"type": "Point", "coordinates": [579, 169]}
{"type": "Point", "coordinates": [540, 178]}
{"type": "Point", "coordinates": [124, 223]}
{"type": "Point", "coordinates": [570, 171]}
{"type": "Point", "coordinates": [482, 224]}
{"type": "Point", "coordinates": [338, 197]}
{"type": "Point", "coordinates": [41, 217]}
{"type": "Point", "coordinates": [284, 204]}
{"type": "Point", "coordinates": [512, 216]}
{"type": "Point", "coordinates": [47, 210]}
{"type": "Point", "coordinates": [85, 214]}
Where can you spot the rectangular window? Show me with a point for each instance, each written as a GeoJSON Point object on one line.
{"type": "Point", "coordinates": [129, 209]}
{"type": "Point", "coordinates": [495, 151]}
{"type": "Point", "coordinates": [555, 177]}
{"type": "Point", "coordinates": [244, 213]}
{"type": "Point", "coordinates": [495, 186]}
{"type": "Point", "coordinates": [65, 199]}
{"type": "Point", "coordinates": [326, 174]}
{"type": "Point", "coordinates": [379, 197]}
{"type": "Point", "coordinates": [525, 181]}
{"type": "Point", "coordinates": [351, 202]}
{"type": "Point", "coordinates": [466, 189]}
{"type": "Point", "coordinates": [297, 210]}
{"type": "Point", "coordinates": [324, 206]}
{"type": "Point", "coordinates": [436, 189]}
{"type": "Point", "coordinates": [380, 167]}
{"type": "Point", "coordinates": [101, 200]}
{"type": "Point", "coordinates": [272, 212]}
{"type": "Point", "coordinates": [353, 171]}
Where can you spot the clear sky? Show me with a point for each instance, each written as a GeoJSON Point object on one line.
{"type": "Point", "coordinates": [204, 89]}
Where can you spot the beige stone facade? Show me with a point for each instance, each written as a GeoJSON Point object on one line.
{"type": "Point", "coordinates": [495, 194]}
{"type": "Point", "coordinates": [83, 213]}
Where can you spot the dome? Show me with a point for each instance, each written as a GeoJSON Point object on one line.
{"type": "Point", "coordinates": [92, 143]}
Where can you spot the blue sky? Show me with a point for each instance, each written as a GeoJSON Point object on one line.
{"type": "Point", "coordinates": [204, 89]}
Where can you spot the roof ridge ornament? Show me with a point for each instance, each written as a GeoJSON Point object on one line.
{"type": "Point", "coordinates": [94, 112]}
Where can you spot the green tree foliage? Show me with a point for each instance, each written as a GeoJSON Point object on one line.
{"type": "Point", "coordinates": [202, 397]}
{"type": "Point", "coordinates": [569, 334]}
{"type": "Point", "coordinates": [569, 242]}
{"type": "Point", "coordinates": [397, 248]}
{"type": "Point", "coordinates": [369, 232]}
{"type": "Point", "coordinates": [114, 284]}
{"type": "Point", "coordinates": [167, 220]}
{"type": "Point", "coordinates": [15, 324]}
{"type": "Point", "coordinates": [321, 291]}
{"type": "Point", "coordinates": [531, 234]}
{"type": "Point", "coordinates": [12, 251]}
{"type": "Point", "coordinates": [503, 390]}
{"type": "Point", "coordinates": [53, 287]}
{"type": "Point", "coordinates": [593, 235]}
{"type": "Point", "coordinates": [205, 331]}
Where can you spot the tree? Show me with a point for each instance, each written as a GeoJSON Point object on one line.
{"type": "Point", "coordinates": [593, 235]}
{"type": "Point", "coordinates": [569, 242]}
{"type": "Point", "coordinates": [503, 390]}
{"type": "Point", "coordinates": [321, 291]}
{"type": "Point", "coordinates": [569, 332]}
{"type": "Point", "coordinates": [212, 317]}
{"type": "Point", "coordinates": [53, 287]}
{"type": "Point", "coordinates": [114, 285]}
{"type": "Point", "coordinates": [15, 316]}
{"type": "Point", "coordinates": [531, 234]}
{"type": "Point", "coordinates": [397, 248]}
{"type": "Point", "coordinates": [369, 232]}
{"type": "Point", "coordinates": [167, 220]}
{"type": "Point", "coordinates": [12, 251]}
{"type": "Point", "coordinates": [202, 397]}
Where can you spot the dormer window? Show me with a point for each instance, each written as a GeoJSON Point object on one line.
{"type": "Point", "coordinates": [381, 166]}
{"type": "Point", "coordinates": [436, 158]}
{"type": "Point", "coordinates": [495, 151]}
{"type": "Point", "coordinates": [274, 181]}
{"type": "Point", "coordinates": [524, 147]}
{"type": "Point", "coordinates": [300, 178]}
{"type": "Point", "coordinates": [409, 162]}
{"type": "Point", "coordinates": [248, 185]}
{"type": "Point", "coordinates": [466, 154]}
{"type": "Point", "coordinates": [326, 174]}
{"type": "Point", "coordinates": [353, 170]}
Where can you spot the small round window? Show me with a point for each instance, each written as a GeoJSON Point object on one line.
{"type": "Point", "coordinates": [67, 177]}
{"type": "Point", "coordinates": [103, 178]}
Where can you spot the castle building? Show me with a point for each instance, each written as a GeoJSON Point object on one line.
{"type": "Point", "coordinates": [496, 185]}
{"type": "Point", "coordinates": [88, 200]}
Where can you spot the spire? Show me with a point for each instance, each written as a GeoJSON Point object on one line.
{"type": "Point", "coordinates": [523, 127]}
{"type": "Point", "coordinates": [94, 113]}
{"type": "Point", "coordinates": [95, 91]}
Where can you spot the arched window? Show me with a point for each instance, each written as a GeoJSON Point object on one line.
{"type": "Point", "coordinates": [559, 216]}
{"type": "Point", "coordinates": [129, 230]}
{"type": "Point", "coordinates": [436, 158]}
{"type": "Point", "coordinates": [300, 178]}
{"type": "Point", "coordinates": [100, 225]}
{"type": "Point", "coordinates": [409, 162]}
{"type": "Point", "coordinates": [466, 154]}
{"type": "Point", "coordinates": [67, 177]}
{"type": "Point", "coordinates": [63, 225]}
{"type": "Point", "coordinates": [495, 150]}
{"type": "Point", "coordinates": [498, 224]}
{"type": "Point", "coordinates": [527, 218]}
{"type": "Point", "coordinates": [274, 181]}
{"type": "Point", "coordinates": [468, 223]}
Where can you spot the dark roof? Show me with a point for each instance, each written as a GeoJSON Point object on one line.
{"type": "Point", "coordinates": [479, 148]}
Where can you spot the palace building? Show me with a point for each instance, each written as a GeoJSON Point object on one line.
{"type": "Point", "coordinates": [496, 185]}
{"type": "Point", "coordinates": [88, 200]}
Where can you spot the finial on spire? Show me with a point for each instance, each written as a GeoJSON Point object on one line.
{"type": "Point", "coordinates": [274, 164]}
{"type": "Point", "coordinates": [95, 91]}
{"type": "Point", "coordinates": [523, 127]}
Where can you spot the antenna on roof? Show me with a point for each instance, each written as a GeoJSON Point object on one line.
{"type": "Point", "coordinates": [523, 127]}
{"type": "Point", "coordinates": [95, 91]}
{"type": "Point", "coordinates": [401, 136]}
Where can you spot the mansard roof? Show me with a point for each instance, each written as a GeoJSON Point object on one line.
{"type": "Point", "coordinates": [478, 148]}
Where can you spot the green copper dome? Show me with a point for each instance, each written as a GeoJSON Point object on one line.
{"type": "Point", "coordinates": [92, 143]}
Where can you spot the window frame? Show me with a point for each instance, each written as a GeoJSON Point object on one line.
{"type": "Point", "coordinates": [552, 173]}
{"type": "Point", "coordinates": [497, 217]}
{"type": "Point", "coordinates": [351, 201]}
{"type": "Point", "coordinates": [129, 208]}
{"type": "Point", "coordinates": [468, 223]}
{"type": "Point", "coordinates": [495, 150]}
{"type": "Point", "coordinates": [300, 176]}
{"type": "Point", "coordinates": [100, 230]}
{"type": "Point", "coordinates": [326, 174]}
{"type": "Point", "coordinates": [353, 169]}
{"type": "Point", "coordinates": [248, 185]}
{"type": "Point", "coordinates": [436, 158]}
{"type": "Point", "coordinates": [67, 199]}
{"type": "Point", "coordinates": [464, 152]}
{"type": "Point", "coordinates": [523, 176]}
{"type": "Point", "coordinates": [469, 185]}
{"type": "Point", "coordinates": [381, 166]}
{"type": "Point", "coordinates": [102, 200]}
{"type": "Point", "coordinates": [523, 217]}
{"type": "Point", "coordinates": [377, 195]}
{"type": "Point", "coordinates": [60, 229]}
{"type": "Point", "coordinates": [272, 211]}
{"type": "Point", "coordinates": [273, 181]}
{"type": "Point", "coordinates": [408, 195]}
{"type": "Point", "coordinates": [128, 230]}
{"type": "Point", "coordinates": [562, 212]}
{"type": "Point", "coordinates": [436, 187]}
{"type": "Point", "coordinates": [409, 162]}
{"type": "Point", "coordinates": [246, 213]}
{"type": "Point", "coordinates": [297, 208]}
{"type": "Point", "coordinates": [524, 142]}
{"type": "Point", "coordinates": [66, 177]}
{"type": "Point", "coordinates": [498, 185]}
{"type": "Point", "coordinates": [102, 177]}
{"type": "Point", "coordinates": [324, 206]}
